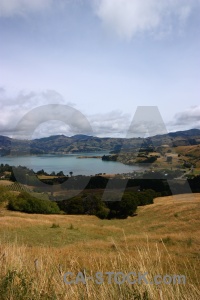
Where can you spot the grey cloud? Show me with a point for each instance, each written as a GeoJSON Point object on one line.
{"type": "Point", "coordinates": [127, 18]}
{"type": "Point", "coordinates": [14, 108]}
{"type": "Point", "coordinates": [50, 120]}
{"type": "Point", "coordinates": [114, 123]}
{"type": "Point", "coordinates": [2, 90]}
{"type": "Point", "coordinates": [191, 115]}
{"type": "Point", "coordinates": [190, 118]}
{"type": "Point", "coordinates": [53, 127]}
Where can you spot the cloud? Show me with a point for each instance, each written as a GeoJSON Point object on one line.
{"type": "Point", "coordinates": [187, 119]}
{"type": "Point", "coordinates": [50, 128]}
{"type": "Point", "coordinates": [128, 18]}
{"type": "Point", "coordinates": [2, 90]}
{"type": "Point", "coordinates": [21, 7]}
{"type": "Point", "coordinates": [14, 108]}
{"type": "Point", "coordinates": [114, 123]}
{"type": "Point", "coordinates": [111, 124]}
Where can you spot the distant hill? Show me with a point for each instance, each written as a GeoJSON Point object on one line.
{"type": "Point", "coordinates": [61, 144]}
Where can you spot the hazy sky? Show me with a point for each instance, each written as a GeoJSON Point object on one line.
{"type": "Point", "coordinates": [102, 57]}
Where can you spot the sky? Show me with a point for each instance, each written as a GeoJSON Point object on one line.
{"type": "Point", "coordinates": [102, 59]}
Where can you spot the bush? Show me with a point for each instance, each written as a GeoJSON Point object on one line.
{"type": "Point", "coordinates": [113, 207]}
{"type": "Point", "coordinates": [146, 197]}
{"type": "Point", "coordinates": [85, 204]}
{"type": "Point", "coordinates": [103, 213]}
{"type": "Point", "coordinates": [24, 202]}
{"type": "Point", "coordinates": [5, 195]}
{"type": "Point", "coordinates": [93, 204]}
{"type": "Point", "coordinates": [122, 209]}
{"type": "Point", "coordinates": [73, 206]}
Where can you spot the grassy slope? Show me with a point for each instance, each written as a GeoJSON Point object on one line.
{"type": "Point", "coordinates": [163, 238]}
{"type": "Point", "coordinates": [165, 217]}
{"type": "Point", "coordinates": [190, 153]}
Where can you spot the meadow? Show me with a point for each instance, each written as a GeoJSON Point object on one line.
{"type": "Point", "coordinates": [164, 238]}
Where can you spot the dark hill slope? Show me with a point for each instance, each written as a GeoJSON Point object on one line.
{"type": "Point", "coordinates": [84, 143]}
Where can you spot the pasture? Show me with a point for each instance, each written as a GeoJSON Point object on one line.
{"type": "Point", "coordinates": [164, 238]}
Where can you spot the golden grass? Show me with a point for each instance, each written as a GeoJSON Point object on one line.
{"type": "Point", "coordinates": [163, 239]}
{"type": "Point", "coordinates": [190, 153]}
{"type": "Point", "coordinates": [5, 182]}
{"type": "Point", "coordinates": [194, 149]}
{"type": "Point", "coordinates": [48, 176]}
{"type": "Point", "coordinates": [37, 273]}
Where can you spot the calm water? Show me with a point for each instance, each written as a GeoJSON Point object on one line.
{"type": "Point", "coordinates": [70, 162]}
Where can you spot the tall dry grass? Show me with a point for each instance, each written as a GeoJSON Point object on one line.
{"type": "Point", "coordinates": [163, 239]}
{"type": "Point", "coordinates": [38, 272]}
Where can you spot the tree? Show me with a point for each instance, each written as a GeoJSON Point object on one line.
{"type": "Point", "coordinates": [25, 202]}
{"type": "Point", "coordinates": [5, 195]}
{"type": "Point", "coordinates": [71, 173]}
{"type": "Point", "coordinates": [42, 172]}
{"type": "Point", "coordinates": [169, 159]}
{"type": "Point", "coordinates": [73, 206]}
{"type": "Point", "coordinates": [122, 209]}
{"type": "Point", "coordinates": [60, 173]}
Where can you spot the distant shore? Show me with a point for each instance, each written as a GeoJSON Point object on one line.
{"type": "Point", "coordinates": [91, 156]}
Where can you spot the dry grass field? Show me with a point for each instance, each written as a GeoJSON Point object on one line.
{"type": "Point", "coordinates": [164, 238]}
{"type": "Point", "coordinates": [190, 153]}
{"type": "Point", "coordinates": [5, 182]}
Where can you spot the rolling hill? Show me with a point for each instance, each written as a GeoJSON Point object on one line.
{"type": "Point", "coordinates": [61, 144]}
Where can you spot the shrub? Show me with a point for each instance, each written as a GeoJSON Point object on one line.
{"type": "Point", "coordinates": [146, 197]}
{"type": "Point", "coordinates": [24, 202]}
{"type": "Point", "coordinates": [93, 204]}
{"type": "Point", "coordinates": [103, 213]}
{"type": "Point", "coordinates": [122, 209]}
{"type": "Point", "coordinates": [72, 206]}
{"type": "Point", "coordinates": [87, 204]}
{"type": "Point", "coordinates": [5, 195]}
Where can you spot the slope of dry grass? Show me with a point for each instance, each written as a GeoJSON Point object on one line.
{"type": "Point", "coordinates": [190, 153]}
{"type": "Point", "coordinates": [163, 239]}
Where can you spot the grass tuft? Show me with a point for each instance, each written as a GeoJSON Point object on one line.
{"type": "Point", "coordinates": [54, 225]}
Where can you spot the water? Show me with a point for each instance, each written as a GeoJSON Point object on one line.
{"type": "Point", "coordinates": [68, 163]}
